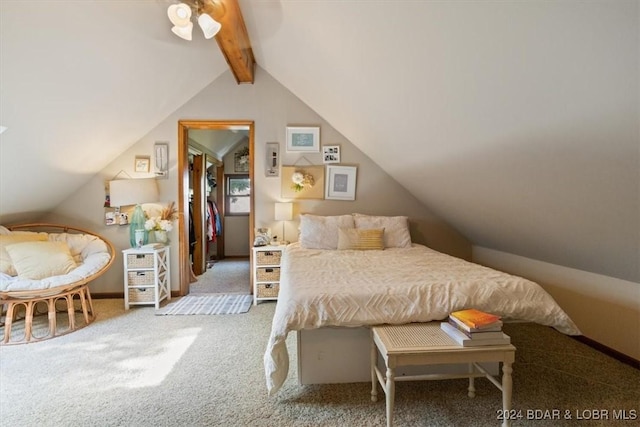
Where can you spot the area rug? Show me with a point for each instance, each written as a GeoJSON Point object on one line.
{"type": "Point", "coordinates": [208, 304]}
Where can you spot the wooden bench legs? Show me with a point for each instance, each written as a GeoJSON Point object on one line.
{"type": "Point", "coordinates": [20, 313]}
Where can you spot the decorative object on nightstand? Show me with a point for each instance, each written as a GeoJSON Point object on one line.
{"type": "Point", "coordinates": [284, 212]}
{"type": "Point", "coordinates": [127, 192]}
{"type": "Point", "coordinates": [161, 225]}
{"type": "Point", "coordinates": [147, 278]}
{"type": "Point", "coordinates": [266, 272]}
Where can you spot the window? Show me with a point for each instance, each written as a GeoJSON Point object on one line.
{"type": "Point", "coordinates": [238, 190]}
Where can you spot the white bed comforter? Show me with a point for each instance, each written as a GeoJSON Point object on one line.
{"type": "Point", "coordinates": [354, 288]}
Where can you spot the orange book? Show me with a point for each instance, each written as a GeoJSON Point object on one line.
{"type": "Point", "coordinates": [475, 318]}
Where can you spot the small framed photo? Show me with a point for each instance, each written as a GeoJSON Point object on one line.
{"type": "Point", "coordinates": [303, 139]}
{"type": "Point", "coordinates": [341, 183]}
{"type": "Point", "coordinates": [142, 164]}
{"type": "Point", "coordinates": [330, 154]}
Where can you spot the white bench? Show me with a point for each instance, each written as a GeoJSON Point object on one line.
{"type": "Point", "coordinates": [418, 344]}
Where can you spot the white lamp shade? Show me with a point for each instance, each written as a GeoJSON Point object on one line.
{"type": "Point", "coordinates": [284, 211]}
{"type": "Point", "coordinates": [126, 192]}
{"type": "Point", "coordinates": [210, 26]}
{"type": "Point", "coordinates": [179, 14]}
{"type": "Point", "coordinates": [183, 32]}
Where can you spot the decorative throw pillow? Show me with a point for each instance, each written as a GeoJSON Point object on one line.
{"type": "Point", "coordinates": [6, 265]}
{"type": "Point", "coordinates": [37, 260]}
{"type": "Point", "coordinates": [321, 232]}
{"type": "Point", "coordinates": [361, 238]}
{"type": "Point", "coordinates": [396, 228]}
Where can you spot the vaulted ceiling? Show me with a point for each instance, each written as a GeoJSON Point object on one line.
{"type": "Point", "coordinates": [517, 122]}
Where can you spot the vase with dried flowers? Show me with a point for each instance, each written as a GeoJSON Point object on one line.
{"type": "Point", "coordinates": [161, 225]}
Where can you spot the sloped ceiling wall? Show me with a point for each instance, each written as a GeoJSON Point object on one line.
{"type": "Point", "coordinates": [517, 122]}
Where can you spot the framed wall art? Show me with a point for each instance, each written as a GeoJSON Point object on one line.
{"type": "Point", "coordinates": [142, 164]}
{"type": "Point", "coordinates": [161, 151]}
{"type": "Point", "coordinates": [330, 154]}
{"type": "Point", "coordinates": [303, 139]}
{"type": "Point", "coordinates": [341, 183]}
{"type": "Point", "coordinates": [302, 182]}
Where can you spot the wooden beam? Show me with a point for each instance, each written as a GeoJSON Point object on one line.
{"type": "Point", "coordinates": [233, 38]}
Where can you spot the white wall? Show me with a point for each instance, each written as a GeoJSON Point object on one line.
{"type": "Point", "coordinates": [272, 107]}
{"type": "Point", "coordinates": [605, 309]}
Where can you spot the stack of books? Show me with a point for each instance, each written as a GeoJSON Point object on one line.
{"type": "Point", "coordinates": [472, 327]}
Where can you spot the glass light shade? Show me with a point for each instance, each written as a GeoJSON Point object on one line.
{"type": "Point", "coordinates": [183, 32]}
{"type": "Point", "coordinates": [210, 26]}
{"type": "Point", "coordinates": [179, 14]}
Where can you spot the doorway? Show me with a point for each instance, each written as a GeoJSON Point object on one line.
{"type": "Point", "coordinates": [187, 257]}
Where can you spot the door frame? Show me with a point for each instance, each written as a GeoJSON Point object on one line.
{"type": "Point", "coordinates": [183, 184]}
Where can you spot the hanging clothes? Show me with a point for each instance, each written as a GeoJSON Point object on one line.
{"type": "Point", "coordinates": [211, 226]}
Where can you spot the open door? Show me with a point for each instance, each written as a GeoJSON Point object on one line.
{"type": "Point", "coordinates": [198, 253]}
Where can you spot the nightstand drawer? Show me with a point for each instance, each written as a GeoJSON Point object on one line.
{"type": "Point", "coordinates": [268, 274]}
{"type": "Point", "coordinates": [142, 294]}
{"type": "Point", "coordinates": [268, 290]}
{"type": "Point", "coordinates": [141, 278]}
{"type": "Point", "coordinates": [140, 260]}
{"type": "Point", "coordinates": [268, 257]}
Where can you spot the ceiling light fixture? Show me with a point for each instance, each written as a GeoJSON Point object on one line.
{"type": "Point", "coordinates": [180, 16]}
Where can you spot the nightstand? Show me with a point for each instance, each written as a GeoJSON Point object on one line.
{"type": "Point", "coordinates": [146, 276]}
{"type": "Point", "coordinates": [266, 272]}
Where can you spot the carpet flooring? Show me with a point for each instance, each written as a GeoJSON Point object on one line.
{"type": "Point", "coordinates": [132, 368]}
{"type": "Point", "coordinates": [228, 276]}
{"type": "Point", "coordinates": [207, 304]}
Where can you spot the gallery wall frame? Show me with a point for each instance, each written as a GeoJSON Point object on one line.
{"type": "Point", "coordinates": [312, 190]}
{"type": "Point", "coordinates": [303, 139]}
{"type": "Point", "coordinates": [330, 154]}
{"type": "Point", "coordinates": [142, 164]}
{"type": "Point", "coordinates": [161, 153]}
{"type": "Point", "coordinates": [341, 182]}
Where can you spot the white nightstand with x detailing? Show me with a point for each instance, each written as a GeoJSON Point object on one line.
{"type": "Point", "coordinates": [266, 272]}
{"type": "Point", "coordinates": [146, 276]}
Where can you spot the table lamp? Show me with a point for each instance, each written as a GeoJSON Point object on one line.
{"type": "Point", "coordinates": [284, 212]}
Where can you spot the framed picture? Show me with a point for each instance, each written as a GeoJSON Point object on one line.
{"type": "Point", "coordinates": [161, 151]}
{"type": "Point", "coordinates": [341, 183]}
{"type": "Point", "coordinates": [142, 164]}
{"type": "Point", "coordinates": [303, 139]}
{"type": "Point", "coordinates": [302, 182]}
{"type": "Point", "coordinates": [330, 154]}
{"type": "Point", "coordinates": [241, 160]}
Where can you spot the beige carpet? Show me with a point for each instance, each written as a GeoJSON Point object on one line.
{"type": "Point", "coordinates": [228, 276]}
{"type": "Point", "coordinates": [132, 368]}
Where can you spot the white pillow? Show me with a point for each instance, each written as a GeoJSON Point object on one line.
{"type": "Point", "coordinates": [321, 232]}
{"type": "Point", "coordinates": [6, 266]}
{"type": "Point", "coordinates": [396, 228]}
{"type": "Point", "coordinates": [39, 260]}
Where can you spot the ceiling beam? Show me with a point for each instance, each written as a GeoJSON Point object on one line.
{"type": "Point", "coordinates": [233, 38]}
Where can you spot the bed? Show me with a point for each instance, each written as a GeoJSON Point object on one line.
{"type": "Point", "coordinates": [350, 271]}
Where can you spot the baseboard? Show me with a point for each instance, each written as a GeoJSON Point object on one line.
{"type": "Point", "coordinates": [120, 295]}
{"type": "Point", "coordinates": [621, 357]}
